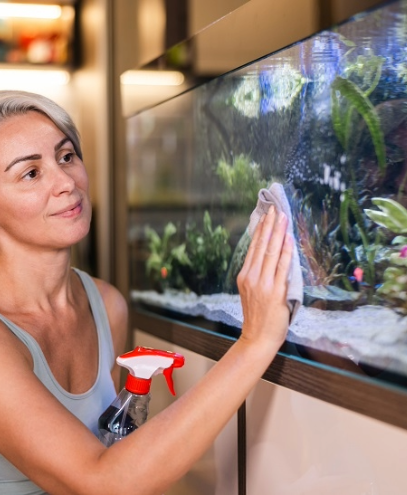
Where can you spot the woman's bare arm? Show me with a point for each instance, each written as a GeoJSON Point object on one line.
{"type": "Point", "coordinates": [58, 453]}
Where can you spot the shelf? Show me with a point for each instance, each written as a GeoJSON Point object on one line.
{"type": "Point", "coordinates": [38, 41]}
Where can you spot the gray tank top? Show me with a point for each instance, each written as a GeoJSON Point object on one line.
{"type": "Point", "coordinates": [87, 406]}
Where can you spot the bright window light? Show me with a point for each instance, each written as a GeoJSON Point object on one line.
{"type": "Point", "coordinates": [27, 79]}
{"type": "Point", "coordinates": [152, 78]}
{"type": "Point", "coordinates": [36, 11]}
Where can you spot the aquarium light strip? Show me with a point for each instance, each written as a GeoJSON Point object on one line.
{"type": "Point", "coordinates": [152, 78]}
{"type": "Point", "coordinates": [36, 11]}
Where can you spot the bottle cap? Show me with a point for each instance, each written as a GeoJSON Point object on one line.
{"type": "Point", "coordinates": [144, 362]}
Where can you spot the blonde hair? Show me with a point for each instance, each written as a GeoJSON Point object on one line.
{"type": "Point", "coordinates": [21, 102]}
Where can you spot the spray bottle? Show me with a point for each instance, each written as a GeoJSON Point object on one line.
{"type": "Point", "coordinates": [130, 408]}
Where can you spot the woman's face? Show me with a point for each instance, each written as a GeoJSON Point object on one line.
{"type": "Point", "coordinates": [44, 199]}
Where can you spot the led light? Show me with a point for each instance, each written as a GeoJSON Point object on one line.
{"type": "Point", "coordinates": [36, 11]}
{"type": "Point", "coordinates": [152, 78]}
{"type": "Point", "coordinates": [30, 78]}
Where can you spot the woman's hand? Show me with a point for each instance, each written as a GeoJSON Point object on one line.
{"type": "Point", "coordinates": [262, 282]}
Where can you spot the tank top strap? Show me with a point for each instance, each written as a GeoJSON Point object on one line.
{"type": "Point", "coordinates": [99, 314]}
{"type": "Point", "coordinates": [27, 340]}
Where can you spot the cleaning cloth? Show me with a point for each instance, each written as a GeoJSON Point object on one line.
{"type": "Point", "coordinates": [276, 196]}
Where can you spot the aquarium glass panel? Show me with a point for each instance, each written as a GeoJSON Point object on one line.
{"type": "Point", "coordinates": [321, 125]}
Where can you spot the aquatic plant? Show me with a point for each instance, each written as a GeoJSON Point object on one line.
{"type": "Point", "coordinates": [166, 257]}
{"type": "Point", "coordinates": [209, 251]}
{"type": "Point", "coordinates": [366, 71]}
{"type": "Point", "coordinates": [318, 245]}
{"type": "Point", "coordinates": [393, 216]}
{"type": "Point", "coordinates": [362, 256]}
{"type": "Point", "coordinates": [342, 119]}
{"type": "Point", "coordinates": [198, 263]}
{"type": "Point", "coordinates": [242, 180]}
{"type": "Point", "coordinates": [350, 102]}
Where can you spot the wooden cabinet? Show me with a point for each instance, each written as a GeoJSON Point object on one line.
{"type": "Point", "coordinates": [216, 473]}
{"type": "Point", "coordinates": [297, 444]}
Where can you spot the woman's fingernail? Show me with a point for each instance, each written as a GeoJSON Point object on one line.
{"type": "Point", "coordinates": [281, 216]}
{"type": "Point", "coordinates": [271, 210]}
{"type": "Point", "coordinates": [262, 218]}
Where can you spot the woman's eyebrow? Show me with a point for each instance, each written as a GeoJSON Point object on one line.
{"type": "Point", "coordinates": [35, 156]}
{"type": "Point", "coordinates": [22, 159]}
{"type": "Point", "coordinates": [61, 143]}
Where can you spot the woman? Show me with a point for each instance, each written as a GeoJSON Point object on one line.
{"type": "Point", "coordinates": [60, 329]}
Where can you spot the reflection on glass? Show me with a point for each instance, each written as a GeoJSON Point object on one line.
{"type": "Point", "coordinates": [327, 118]}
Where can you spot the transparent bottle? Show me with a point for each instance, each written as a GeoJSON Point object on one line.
{"type": "Point", "coordinates": [129, 410]}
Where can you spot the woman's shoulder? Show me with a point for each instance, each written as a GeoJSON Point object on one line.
{"type": "Point", "coordinates": [110, 294]}
{"type": "Point", "coordinates": [11, 345]}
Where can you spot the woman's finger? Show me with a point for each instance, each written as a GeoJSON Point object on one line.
{"type": "Point", "coordinates": [252, 247]}
{"type": "Point", "coordinates": [273, 249]}
{"type": "Point", "coordinates": [262, 241]}
{"type": "Point", "coordinates": [283, 266]}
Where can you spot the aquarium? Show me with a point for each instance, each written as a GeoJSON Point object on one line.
{"type": "Point", "coordinates": [325, 121]}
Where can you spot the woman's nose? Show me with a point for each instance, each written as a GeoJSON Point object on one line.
{"type": "Point", "coordinates": [63, 182]}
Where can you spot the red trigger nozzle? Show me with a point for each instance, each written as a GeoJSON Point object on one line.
{"type": "Point", "coordinates": [168, 377]}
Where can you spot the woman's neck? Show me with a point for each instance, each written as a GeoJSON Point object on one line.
{"type": "Point", "coordinates": [35, 280]}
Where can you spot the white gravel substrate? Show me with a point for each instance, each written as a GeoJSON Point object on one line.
{"type": "Point", "coordinates": [373, 334]}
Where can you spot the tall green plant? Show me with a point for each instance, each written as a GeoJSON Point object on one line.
{"type": "Point", "coordinates": [342, 120]}
{"type": "Point", "coordinates": [349, 98]}
{"type": "Point", "coordinates": [363, 258]}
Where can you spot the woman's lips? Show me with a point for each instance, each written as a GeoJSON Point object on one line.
{"type": "Point", "coordinates": [70, 211]}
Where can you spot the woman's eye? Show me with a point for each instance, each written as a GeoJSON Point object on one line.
{"type": "Point", "coordinates": [32, 174]}
{"type": "Point", "coordinates": [67, 158]}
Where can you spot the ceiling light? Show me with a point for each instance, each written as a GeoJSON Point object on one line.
{"type": "Point", "coordinates": [30, 78]}
{"type": "Point", "coordinates": [36, 11]}
{"type": "Point", "coordinates": [152, 78]}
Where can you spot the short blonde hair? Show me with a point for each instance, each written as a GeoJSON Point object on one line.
{"type": "Point", "coordinates": [21, 102]}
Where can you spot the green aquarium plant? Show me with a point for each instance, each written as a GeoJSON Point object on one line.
{"type": "Point", "coordinates": [362, 255]}
{"type": "Point", "coordinates": [209, 252]}
{"type": "Point", "coordinates": [367, 247]}
{"type": "Point", "coordinates": [166, 256]}
{"type": "Point", "coordinates": [351, 108]}
{"type": "Point", "coordinates": [393, 216]}
{"type": "Point", "coordinates": [196, 261]}
{"type": "Point", "coordinates": [342, 119]}
{"type": "Point", "coordinates": [242, 180]}
{"type": "Point", "coordinates": [350, 98]}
